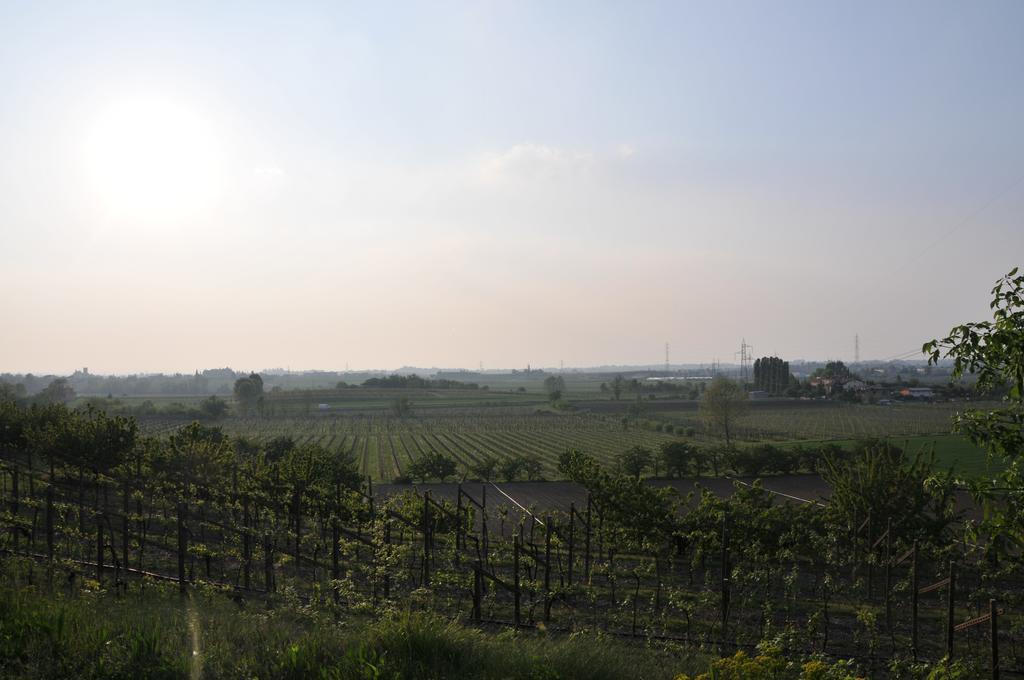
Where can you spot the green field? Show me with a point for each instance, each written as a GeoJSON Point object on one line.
{"type": "Point", "coordinates": [782, 421]}
{"type": "Point", "coordinates": [951, 451]}
{"type": "Point", "coordinates": [468, 427]}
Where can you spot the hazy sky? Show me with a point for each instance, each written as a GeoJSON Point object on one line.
{"type": "Point", "coordinates": [189, 185]}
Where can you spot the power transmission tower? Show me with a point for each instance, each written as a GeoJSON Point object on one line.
{"type": "Point", "coordinates": [666, 358]}
{"type": "Point", "coordinates": [856, 348]}
{"type": "Point", "coordinates": [746, 356]}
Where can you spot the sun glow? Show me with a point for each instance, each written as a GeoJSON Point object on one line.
{"type": "Point", "coordinates": [154, 159]}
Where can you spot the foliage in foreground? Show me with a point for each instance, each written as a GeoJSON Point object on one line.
{"type": "Point", "coordinates": [770, 664]}
{"type": "Point", "coordinates": [158, 634]}
{"type": "Point", "coordinates": [993, 352]}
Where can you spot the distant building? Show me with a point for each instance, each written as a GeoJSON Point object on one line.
{"type": "Point", "coordinates": [917, 393]}
{"type": "Point", "coordinates": [758, 394]}
{"type": "Point", "coordinates": [324, 407]}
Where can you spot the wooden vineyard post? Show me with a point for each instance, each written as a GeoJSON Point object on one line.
{"type": "Point", "coordinates": [458, 521]}
{"type": "Point", "coordinates": [387, 554]}
{"type": "Point", "coordinates": [182, 547]}
{"type": "Point", "coordinates": [854, 537]}
{"type": "Point", "coordinates": [477, 592]}
{"type": "Point", "coordinates": [246, 546]}
{"type": "Point", "coordinates": [516, 539]}
{"type": "Point", "coordinates": [572, 539]}
{"type": "Point", "coordinates": [125, 494]}
{"type": "Point", "coordinates": [268, 563]}
{"type": "Point", "coordinates": [888, 577]}
{"type": "Point", "coordinates": [14, 507]}
{"type": "Point", "coordinates": [547, 570]}
{"type": "Point", "coordinates": [49, 532]}
{"type": "Point", "coordinates": [426, 539]}
{"type": "Point", "coordinates": [99, 547]}
{"type": "Point", "coordinates": [586, 545]}
{"type": "Point", "coordinates": [298, 534]}
{"type": "Point", "coordinates": [483, 522]}
{"type": "Point", "coordinates": [725, 575]}
{"type": "Point", "coordinates": [993, 613]}
{"type": "Point", "coordinates": [335, 558]}
{"type": "Point", "coordinates": [949, 611]}
{"type": "Point", "coordinates": [871, 566]}
{"type": "Point", "coordinates": [913, 605]}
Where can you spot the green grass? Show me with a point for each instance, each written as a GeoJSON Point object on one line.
{"type": "Point", "coordinates": [156, 633]}
{"type": "Point", "coordinates": [951, 451]}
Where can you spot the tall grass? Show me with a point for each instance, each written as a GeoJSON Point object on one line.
{"type": "Point", "coordinates": [155, 633]}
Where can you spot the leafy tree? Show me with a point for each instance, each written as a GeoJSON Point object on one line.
{"type": "Point", "coordinates": [416, 382]}
{"type": "Point", "coordinates": [617, 385]}
{"type": "Point", "coordinates": [213, 407]}
{"type": "Point", "coordinates": [836, 371]}
{"type": "Point", "coordinates": [246, 448]}
{"type": "Point", "coordinates": [58, 391]}
{"type": "Point", "coordinates": [278, 447]}
{"type": "Point", "coordinates": [432, 465]}
{"type": "Point", "coordinates": [509, 468]}
{"type": "Point", "coordinates": [634, 461]}
{"type": "Point", "coordinates": [879, 478]}
{"type": "Point", "coordinates": [993, 352]}
{"type": "Point", "coordinates": [13, 393]}
{"type": "Point", "coordinates": [532, 466]}
{"type": "Point", "coordinates": [638, 516]}
{"type": "Point", "coordinates": [554, 385]}
{"type": "Point", "coordinates": [636, 410]}
{"type": "Point", "coordinates": [724, 401]}
{"type": "Point", "coordinates": [401, 407]}
{"type": "Point", "coordinates": [745, 461]}
{"type": "Point", "coordinates": [675, 457]}
{"type": "Point", "coordinates": [193, 456]}
{"type": "Point", "coordinates": [249, 394]}
{"type": "Point", "coordinates": [771, 374]}
{"type": "Point", "coordinates": [484, 468]}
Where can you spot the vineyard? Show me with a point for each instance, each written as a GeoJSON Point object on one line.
{"type": "Point", "coordinates": [832, 420]}
{"type": "Point", "coordinates": [730, 574]}
{"type": "Point", "coordinates": [383, 446]}
{"type": "Point", "coordinates": [291, 509]}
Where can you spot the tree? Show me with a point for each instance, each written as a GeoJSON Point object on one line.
{"type": "Point", "coordinates": [249, 394]}
{"type": "Point", "coordinates": [835, 371]}
{"type": "Point", "coordinates": [771, 374]}
{"type": "Point", "coordinates": [675, 457]}
{"type": "Point", "coordinates": [636, 410]}
{"type": "Point", "coordinates": [9, 392]}
{"type": "Point", "coordinates": [880, 479]}
{"type": "Point", "coordinates": [635, 461]}
{"type": "Point", "coordinates": [532, 465]}
{"type": "Point", "coordinates": [401, 407]}
{"type": "Point", "coordinates": [484, 468]}
{"type": "Point", "coordinates": [432, 465]}
{"type": "Point", "coordinates": [993, 351]}
{"type": "Point", "coordinates": [213, 407]}
{"type": "Point", "coordinates": [618, 383]}
{"type": "Point", "coordinates": [57, 392]}
{"type": "Point", "coordinates": [636, 515]}
{"type": "Point", "coordinates": [278, 447]}
{"type": "Point", "coordinates": [724, 401]}
{"type": "Point", "coordinates": [554, 385]}
{"type": "Point", "coordinates": [510, 468]}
